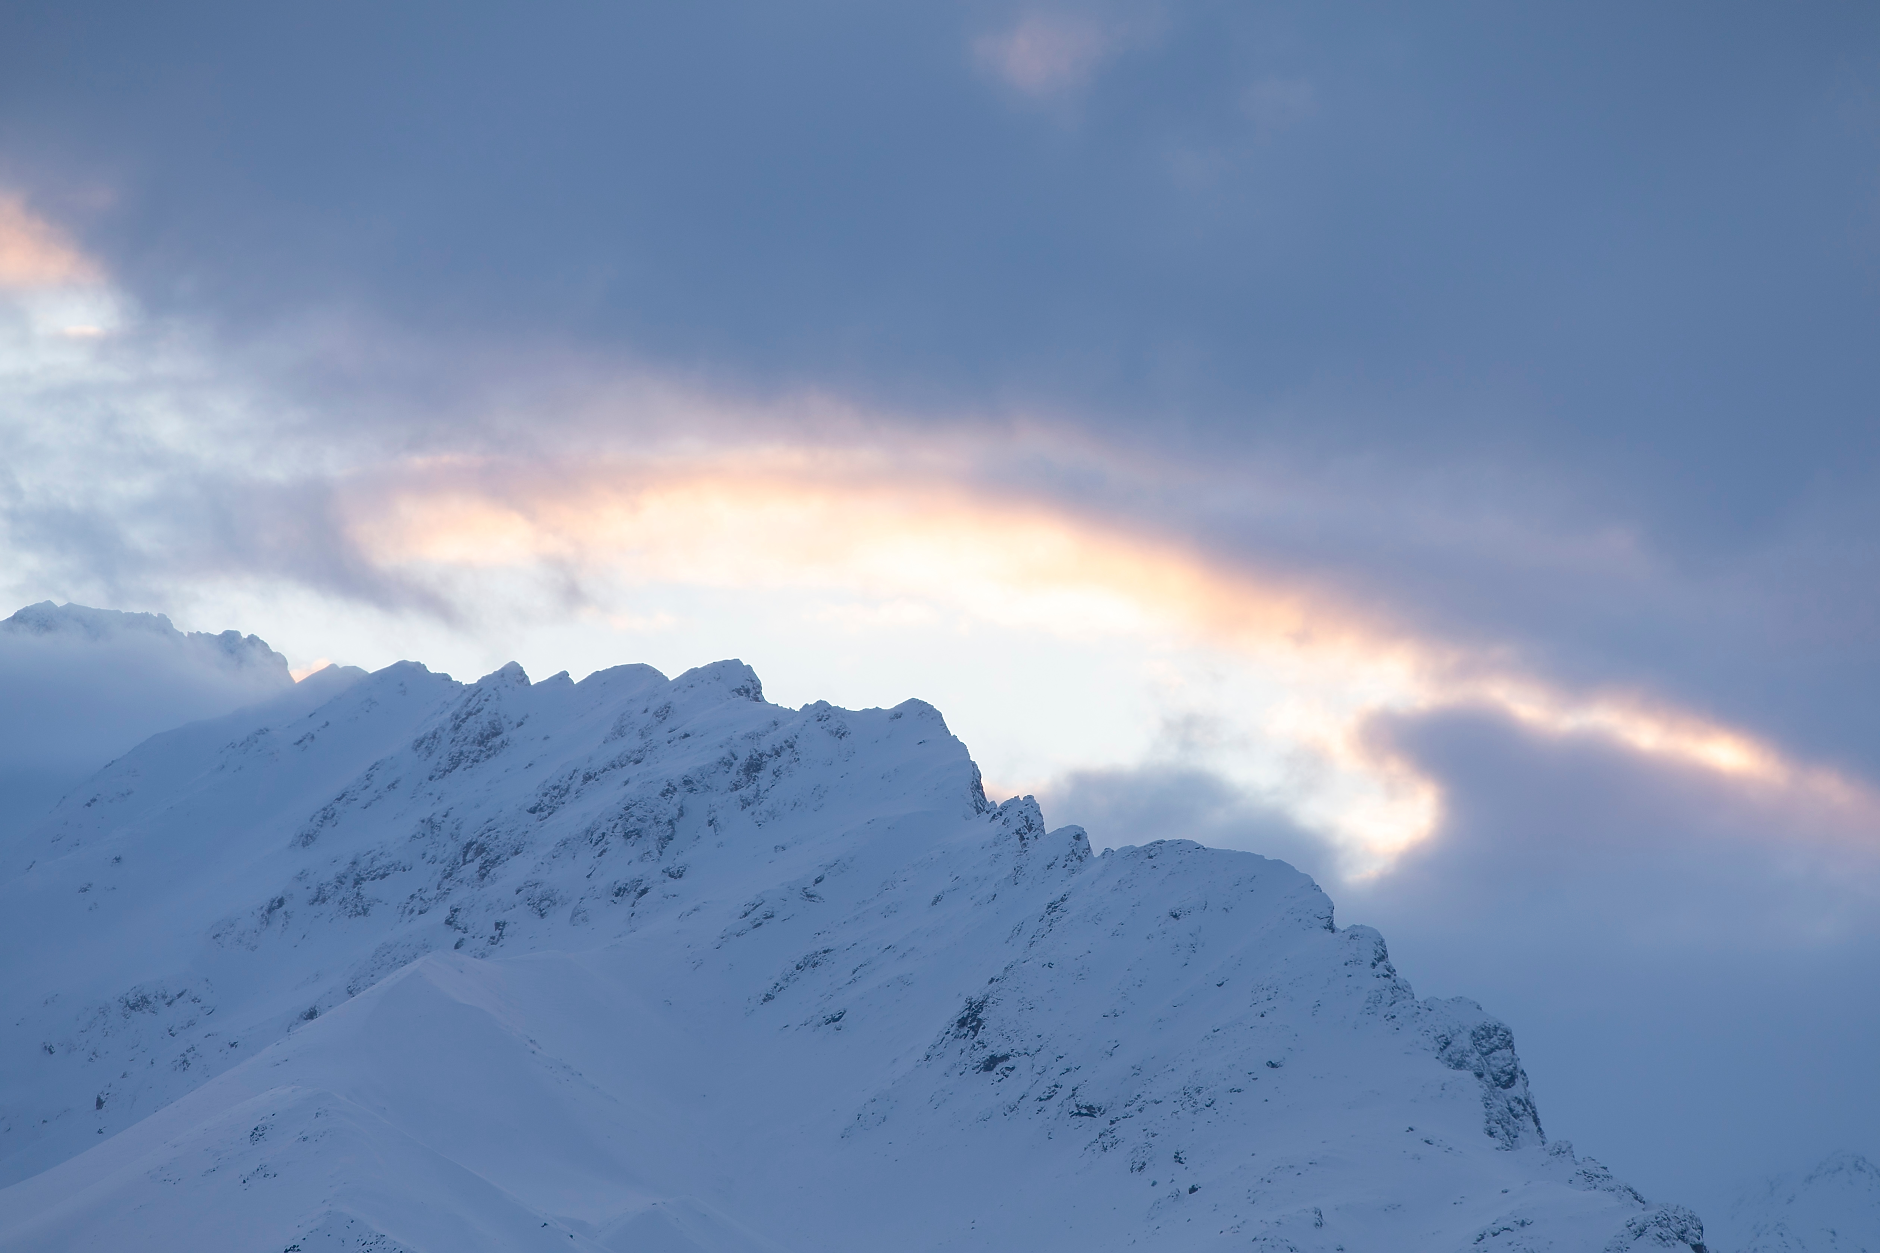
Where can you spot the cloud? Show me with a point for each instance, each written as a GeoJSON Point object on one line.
{"type": "Point", "coordinates": [36, 254]}
{"type": "Point", "coordinates": [159, 462]}
{"type": "Point", "coordinates": [82, 686]}
{"type": "Point", "coordinates": [1552, 829]}
{"type": "Point", "coordinates": [1410, 498]}
{"type": "Point", "coordinates": [145, 462]}
{"type": "Point", "coordinates": [1379, 290]}
{"type": "Point", "coordinates": [1314, 668]}
{"type": "Point", "coordinates": [1048, 54]}
{"type": "Point", "coordinates": [1676, 949]}
{"type": "Point", "coordinates": [1681, 954]}
{"type": "Point", "coordinates": [147, 471]}
{"type": "Point", "coordinates": [1136, 805]}
{"type": "Point", "coordinates": [1279, 104]}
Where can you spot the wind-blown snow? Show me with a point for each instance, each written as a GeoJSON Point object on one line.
{"type": "Point", "coordinates": [646, 964]}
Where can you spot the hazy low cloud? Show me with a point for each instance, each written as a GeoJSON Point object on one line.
{"type": "Point", "coordinates": [81, 686]}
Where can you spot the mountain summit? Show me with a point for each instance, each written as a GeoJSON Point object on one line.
{"type": "Point", "coordinates": [397, 963]}
{"type": "Point", "coordinates": [1833, 1208]}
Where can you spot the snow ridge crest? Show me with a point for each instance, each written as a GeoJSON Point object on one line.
{"type": "Point", "coordinates": [685, 920]}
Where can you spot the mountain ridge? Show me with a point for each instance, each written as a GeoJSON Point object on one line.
{"type": "Point", "coordinates": [819, 911]}
{"type": "Point", "coordinates": [1835, 1205]}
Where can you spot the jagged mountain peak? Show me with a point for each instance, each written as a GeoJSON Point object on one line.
{"type": "Point", "coordinates": [1847, 1167]}
{"type": "Point", "coordinates": [633, 959]}
{"type": "Point", "coordinates": [732, 675]}
{"type": "Point", "coordinates": [509, 674]}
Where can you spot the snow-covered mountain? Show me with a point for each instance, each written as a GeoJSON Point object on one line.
{"type": "Point", "coordinates": [1834, 1208]}
{"type": "Point", "coordinates": [395, 963]}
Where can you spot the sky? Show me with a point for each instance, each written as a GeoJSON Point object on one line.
{"type": "Point", "coordinates": [1434, 445]}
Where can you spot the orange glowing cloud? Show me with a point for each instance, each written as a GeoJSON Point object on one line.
{"type": "Point", "coordinates": [34, 253]}
{"type": "Point", "coordinates": [921, 541]}
{"type": "Point", "coordinates": [735, 524]}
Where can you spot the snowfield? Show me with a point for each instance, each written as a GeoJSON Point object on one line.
{"type": "Point", "coordinates": [392, 962]}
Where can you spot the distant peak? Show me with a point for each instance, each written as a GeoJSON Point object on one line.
{"type": "Point", "coordinates": [230, 649]}
{"type": "Point", "coordinates": [732, 675]}
{"type": "Point", "coordinates": [46, 618]}
{"type": "Point", "coordinates": [1847, 1163]}
{"type": "Point", "coordinates": [510, 674]}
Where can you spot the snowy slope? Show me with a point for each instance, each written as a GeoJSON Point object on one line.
{"type": "Point", "coordinates": [1834, 1208]}
{"type": "Point", "coordinates": [639, 964]}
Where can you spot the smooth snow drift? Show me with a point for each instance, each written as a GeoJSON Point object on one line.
{"type": "Point", "coordinates": [396, 963]}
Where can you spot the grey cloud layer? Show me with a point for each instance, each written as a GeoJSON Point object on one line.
{"type": "Point", "coordinates": [1628, 245]}
{"type": "Point", "coordinates": [1691, 961]}
{"type": "Point", "coordinates": [1553, 324]}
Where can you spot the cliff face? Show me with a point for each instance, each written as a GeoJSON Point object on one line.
{"type": "Point", "coordinates": [637, 963]}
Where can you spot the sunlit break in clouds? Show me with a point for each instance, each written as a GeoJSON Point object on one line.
{"type": "Point", "coordinates": [1306, 674]}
